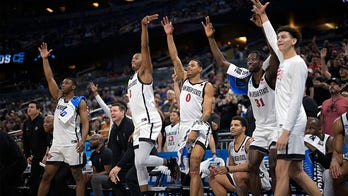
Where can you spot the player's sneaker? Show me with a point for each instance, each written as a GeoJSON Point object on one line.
{"type": "Point", "coordinates": [174, 169]}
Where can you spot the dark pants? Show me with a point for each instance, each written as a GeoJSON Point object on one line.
{"type": "Point", "coordinates": [10, 177]}
{"type": "Point", "coordinates": [132, 182]}
{"type": "Point", "coordinates": [35, 175]}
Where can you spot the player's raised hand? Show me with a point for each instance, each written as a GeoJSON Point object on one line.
{"type": "Point", "coordinates": [208, 27]}
{"type": "Point", "coordinates": [147, 19]}
{"type": "Point", "coordinates": [44, 52]}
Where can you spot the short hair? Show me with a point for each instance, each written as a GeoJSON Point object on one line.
{"type": "Point", "coordinates": [99, 137]}
{"type": "Point", "coordinates": [293, 32]}
{"type": "Point", "coordinates": [259, 54]}
{"type": "Point", "coordinates": [242, 120]}
{"type": "Point", "coordinates": [177, 112]}
{"type": "Point", "coordinates": [315, 120]}
{"type": "Point", "coordinates": [199, 63]}
{"type": "Point", "coordinates": [72, 80]}
{"type": "Point", "coordinates": [122, 105]}
{"type": "Point", "coordinates": [38, 105]}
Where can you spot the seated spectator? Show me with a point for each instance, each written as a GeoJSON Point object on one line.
{"type": "Point", "coordinates": [101, 163]}
{"type": "Point", "coordinates": [105, 127]}
{"type": "Point", "coordinates": [321, 147]}
{"type": "Point", "coordinates": [96, 126]}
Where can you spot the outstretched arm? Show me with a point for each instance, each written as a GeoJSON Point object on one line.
{"type": "Point", "coordinates": [324, 70]}
{"type": "Point", "coordinates": [230, 68]}
{"type": "Point", "coordinates": [52, 84]}
{"type": "Point", "coordinates": [272, 62]}
{"type": "Point", "coordinates": [145, 70]}
{"type": "Point", "coordinates": [271, 35]}
{"type": "Point", "coordinates": [173, 53]}
{"type": "Point", "coordinates": [209, 32]}
{"type": "Point", "coordinates": [102, 104]}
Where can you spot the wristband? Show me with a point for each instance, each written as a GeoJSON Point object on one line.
{"type": "Point", "coordinates": [213, 153]}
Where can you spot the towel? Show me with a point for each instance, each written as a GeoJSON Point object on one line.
{"type": "Point", "coordinates": [69, 111]}
{"type": "Point", "coordinates": [239, 75]}
{"type": "Point", "coordinates": [211, 162]}
{"type": "Point", "coordinates": [316, 142]}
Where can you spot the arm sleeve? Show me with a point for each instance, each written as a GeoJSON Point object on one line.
{"type": "Point", "coordinates": [298, 75]}
{"type": "Point", "coordinates": [103, 105]}
{"type": "Point", "coordinates": [272, 39]}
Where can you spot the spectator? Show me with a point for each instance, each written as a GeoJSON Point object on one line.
{"type": "Point", "coordinates": [321, 148]}
{"type": "Point", "coordinates": [333, 107]}
{"type": "Point", "coordinates": [101, 162]}
{"type": "Point", "coordinates": [35, 145]}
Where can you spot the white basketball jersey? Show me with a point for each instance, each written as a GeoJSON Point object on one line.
{"type": "Point", "coordinates": [142, 102]}
{"type": "Point", "coordinates": [65, 134]}
{"type": "Point", "coordinates": [191, 101]}
{"type": "Point", "coordinates": [262, 102]}
{"type": "Point", "coordinates": [172, 137]}
{"type": "Point", "coordinates": [239, 155]}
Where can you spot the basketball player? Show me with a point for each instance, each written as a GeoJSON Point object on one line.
{"type": "Point", "coordinates": [146, 119]}
{"type": "Point", "coordinates": [196, 100]}
{"type": "Point", "coordinates": [290, 114]}
{"type": "Point", "coordinates": [68, 142]}
{"type": "Point", "coordinates": [260, 91]}
{"type": "Point", "coordinates": [339, 162]}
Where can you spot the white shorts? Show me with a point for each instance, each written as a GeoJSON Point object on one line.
{"type": "Point", "coordinates": [295, 149]}
{"type": "Point", "coordinates": [203, 134]}
{"type": "Point", "coordinates": [262, 139]}
{"type": "Point", "coordinates": [67, 154]}
{"type": "Point", "coordinates": [147, 132]}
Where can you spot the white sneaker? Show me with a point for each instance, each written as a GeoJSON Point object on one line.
{"type": "Point", "coordinates": [163, 169]}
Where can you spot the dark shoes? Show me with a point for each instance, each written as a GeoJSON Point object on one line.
{"type": "Point", "coordinates": [174, 169]}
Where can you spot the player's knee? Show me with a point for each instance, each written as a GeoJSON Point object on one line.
{"type": "Point", "coordinates": [194, 173]}
{"type": "Point", "coordinates": [139, 163]}
{"type": "Point", "coordinates": [47, 177]}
